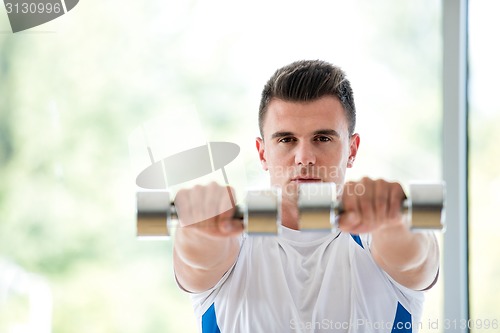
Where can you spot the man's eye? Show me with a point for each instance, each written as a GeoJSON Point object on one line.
{"type": "Point", "coordinates": [285, 140]}
{"type": "Point", "coordinates": [322, 139]}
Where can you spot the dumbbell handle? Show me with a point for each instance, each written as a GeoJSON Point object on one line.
{"type": "Point", "coordinates": [338, 207]}
{"type": "Point", "coordinates": [238, 212]}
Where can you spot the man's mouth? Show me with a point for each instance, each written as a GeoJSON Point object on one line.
{"type": "Point", "coordinates": [306, 180]}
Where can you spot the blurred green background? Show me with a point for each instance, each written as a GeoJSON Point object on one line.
{"type": "Point", "coordinates": [73, 92]}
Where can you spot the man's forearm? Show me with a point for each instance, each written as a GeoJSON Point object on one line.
{"type": "Point", "coordinates": [412, 259]}
{"type": "Point", "coordinates": [200, 260]}
{"type": "Point", "coordinates": [203, 251]}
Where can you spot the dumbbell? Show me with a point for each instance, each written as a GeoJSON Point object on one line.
{"type": "Point", "coordinates": [156, 213]}
{"type": "Point", "coordinates": [261, 214]}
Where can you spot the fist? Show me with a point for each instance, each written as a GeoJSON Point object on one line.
{"type": "Point", "coordinates": [208, 209]}
{"type": "Point", "coordinates": [371, 205]}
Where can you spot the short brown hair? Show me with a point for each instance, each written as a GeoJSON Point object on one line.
{"type": "Point", "coordinates": [308, 80]}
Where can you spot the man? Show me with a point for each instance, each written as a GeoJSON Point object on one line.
{"type": "Point", "coordinates": [369, 276]}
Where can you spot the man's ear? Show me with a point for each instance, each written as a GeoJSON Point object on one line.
{"type": "Point", "coordinates": [353, 149]}
{"type": "Point", "coordinates": [259, 144]}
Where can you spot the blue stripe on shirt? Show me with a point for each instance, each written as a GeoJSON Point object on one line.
{"type": "Point", "coordinates": [402, 322]}
{"type": "Point", "coordinates": [209, 321]}
{"type": "Point", "coordinates": [357, 239]}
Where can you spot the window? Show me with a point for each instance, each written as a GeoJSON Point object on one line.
{"type": "Point", "coordinates": [484, 174]}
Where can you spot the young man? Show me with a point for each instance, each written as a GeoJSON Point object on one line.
{"type": "Point", "coordinates": [369, 276]}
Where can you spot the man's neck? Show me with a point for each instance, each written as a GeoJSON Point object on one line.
{"type": "Point", "coordinates": [290, 218]}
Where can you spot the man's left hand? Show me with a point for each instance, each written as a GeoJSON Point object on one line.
{"type": "Point", "coordinates": [371, 205]}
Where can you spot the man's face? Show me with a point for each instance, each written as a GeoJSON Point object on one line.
{"type": "Point", "coordinates": [306, 142]}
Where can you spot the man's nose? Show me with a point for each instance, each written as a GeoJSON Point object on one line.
{"type": "Point", "coordinates": [304, 154]}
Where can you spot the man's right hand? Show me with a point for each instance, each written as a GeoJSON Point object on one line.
{"type": "Point", "coordinates": [205, 244]}
{"type": "Point", "coordinates": [208, 209]}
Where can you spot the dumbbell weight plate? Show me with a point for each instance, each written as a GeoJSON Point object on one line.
{"type": "Point", "coordinates": [153, 214]}
{"type": "Point", "coordinates": [262, 215]}
{"type": "Point", "coordinates": [316, 204]}
{"type": "Point", "coordinates": [426, 206]}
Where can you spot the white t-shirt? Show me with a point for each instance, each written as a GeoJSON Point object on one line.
{"type": "Point", "coordinates": [307, 282]}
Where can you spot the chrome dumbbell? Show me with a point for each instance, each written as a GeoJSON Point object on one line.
{"type": "Point", "coordinates": [261, 214]}
{"type": "Point", "coordinates": [424, 208]}
{"type": "Point", "coordinates": [156, 214]}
